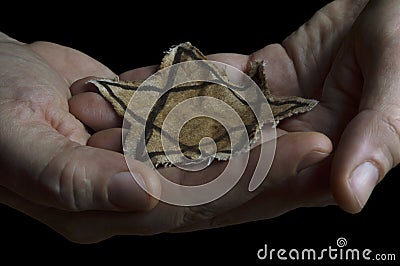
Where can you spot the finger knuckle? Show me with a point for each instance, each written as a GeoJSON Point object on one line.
{"type": "Point", "coordinates": [66, 182]}
{"type": "Point", "coordinates": [75, 188]}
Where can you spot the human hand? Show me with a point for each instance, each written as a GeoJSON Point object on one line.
{"type": "Point", "coordinates": [299, 67]}
{"type": "Point", "coordinates": [110, 138]}
{"type": "Point", "coordinates": [283, 180]}
{"type": "Point", "coordinates": [353, 68]}
{"type": "Point", "coordinates": [360, 105]}
{"type": "Point", "coordinates": [45, 163]}
{"type": "Point", "coordinates": [44, 157]}
{"type": "Point", "coordinates": [50, 173]}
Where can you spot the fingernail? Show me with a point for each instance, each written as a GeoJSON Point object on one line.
{"type": "Point", "coordinates": [124, 192]}
{"type": "Point", "coordinates": [310, 159]}
{"type": "Point", "coordinates": [362, 181]}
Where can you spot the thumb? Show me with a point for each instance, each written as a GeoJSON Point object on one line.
{"type": "Point", "coordinates": [369, 146]}
{"type": "Point", "coordinates": [368, 149]}
{"type": "Point", "coordinates": [49, 169]}
{"type": "Point", "coordinates": [86, 178]}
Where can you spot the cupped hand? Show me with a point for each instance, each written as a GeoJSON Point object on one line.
{"type": "Point", "coordinates": [85, 192]}
{"type": "Point", "coordinates": [45, 160]}
{"type": "Point", "coordinates": [300, 66]}
{"type": "Point", "coordinates": [346, 56]}
{"type": "Point", "coordinates": [360, 101]}
{"type": "Point", "coordinates": [292, 72]}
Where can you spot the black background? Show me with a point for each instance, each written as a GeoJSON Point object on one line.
{"type": "Point", "coordinates": [126, 36]}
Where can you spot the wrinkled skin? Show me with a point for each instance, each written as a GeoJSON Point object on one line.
{"type": "Point", "coordinates": [77, 183]}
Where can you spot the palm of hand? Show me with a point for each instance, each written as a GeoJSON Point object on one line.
{"type": "Point", "coordinates": [54, 179]}
{"type": "Point", "coordinates": [49, 106]}
{"type": "Point", "coordinates": [39, 102]}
